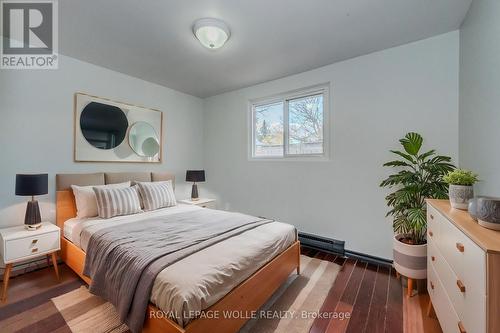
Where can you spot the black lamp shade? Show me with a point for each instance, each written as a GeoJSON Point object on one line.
{"type": "Point", "coordinates": [29, 185]}
{"type": "Point", "coordinates": [195, 176]}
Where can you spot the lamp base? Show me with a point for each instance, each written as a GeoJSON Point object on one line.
{"type": "Point", "coordinates": [194, 192]}
{"type": "Point", "coordinates": [32, 217]}
{"type": "Point", "coordinates": [32, 227]}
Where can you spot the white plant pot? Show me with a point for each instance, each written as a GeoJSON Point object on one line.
{"type": "Point", "coordinates": [410, 260]}
{"type": "Point", "coordinates": [460, 196]}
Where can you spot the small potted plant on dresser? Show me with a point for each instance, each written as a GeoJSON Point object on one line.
{"type": "Point", "coordinates": [419, 176]}
{"type": "Point", "coordinates": [461, 189]}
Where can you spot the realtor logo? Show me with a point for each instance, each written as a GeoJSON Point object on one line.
{"type": "Point", "coordinates": [29, 34]}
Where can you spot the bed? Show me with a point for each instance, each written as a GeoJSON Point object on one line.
{"type": "Point", "coordinates": [237, 274]}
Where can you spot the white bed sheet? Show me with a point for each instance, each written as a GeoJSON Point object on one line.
{"type": "Point", "coordinates": [74, 226]}
{"type": "Point", "coordinates": [198, 281]}
{"type": "Point", "coordinates": [68, 227]}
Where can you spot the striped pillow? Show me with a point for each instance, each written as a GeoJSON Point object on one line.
{"type": "Point", "coordinates": [117, 201]}
{"type": "Point", "coordinates": [157, 195]}
{"type": "Point", "coordinates": [141, 201]}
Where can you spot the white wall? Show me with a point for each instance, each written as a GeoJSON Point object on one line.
{"type": "Point", "coordinates": [36, 127]}
{"type": "Point", "coordinates": [480, 95]}
{"type": "Point", "coordinates": [375, 100]}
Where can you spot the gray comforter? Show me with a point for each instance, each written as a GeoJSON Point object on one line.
{"type": "Point", "coordinates": [123, 261]}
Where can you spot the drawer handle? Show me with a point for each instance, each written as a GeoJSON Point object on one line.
{"type": "Point", "coordinates": [461, 286]}
{"type": "Point", "coordinates": [432, 285]}
{"type": "Point", "coordinates": [34, 241]}
{"type": "Point", "coordinates": [461, 327]}
{"type": "Point", "coordinates": [432, 217]}
{"type": "Point", "coordinates": [433, 258]}
{"type": "Point", "coordinates": [460, 247]}
{"type": "Point", "coordinates": [34, 250]}
{"type": "Point", "coordinates": [431, 233]}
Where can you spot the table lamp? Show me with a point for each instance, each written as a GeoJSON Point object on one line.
{"type": "Point", "coordinates": [195, 176]}
{"type": "Point", "coordinates": [31, 185]}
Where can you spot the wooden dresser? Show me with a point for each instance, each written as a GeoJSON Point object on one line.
{"type": "Point", "coordinates": [463, 271]}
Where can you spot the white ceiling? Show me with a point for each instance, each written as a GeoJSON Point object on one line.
{"type": "Point", "coordinates": [153, 40]}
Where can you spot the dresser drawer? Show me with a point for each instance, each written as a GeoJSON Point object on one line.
{"type": "Point", "coordinates": [465, 258]}
{"type": "Point", "coordinates": [448, 278]}
{"type": "Point", "coordinates": [431, 280]}
{"type": "Point", "coordinates": [18, 249]}
{"type": "Point", "coordinates": [474, 275]}
{"type": "Point", "coordinates": [434, 218]}
{"type": "Point", "coordinates": [468, 301]}
{"type": "Point", "coordinates": [452, 246]}
{"type": "Point", "coordinates": [448, 318]}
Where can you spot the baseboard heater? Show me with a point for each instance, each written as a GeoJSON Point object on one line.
{"type": "Point", "coordinates": [322, 243]}
{"type": "Point", "coordinates": [368, 258]}
{"type": "Point", "coordinates": [337, 247]}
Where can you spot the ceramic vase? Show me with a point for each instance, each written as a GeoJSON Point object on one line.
{"type": "Point", "coordinates": [460, 196]}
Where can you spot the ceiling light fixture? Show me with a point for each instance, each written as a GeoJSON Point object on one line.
{"type": "Point", "coordinates": [211, 33]}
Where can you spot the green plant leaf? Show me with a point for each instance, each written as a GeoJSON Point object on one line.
{"type": "Point", "coordinates": [412, 142]}
{"type": "Point", "coordinates": [426, 155]}
{"type": "Point", "coordinates": [403, 155]}
{"type": "Point", "coordinates": [460, 177]}
{"type": "Point", "coordinates": [417, 215]}
{"type": "Point", "coordinates": [419, 177]}
{"type": "Point", "coordinates": [403, 177]}
{"type": "Point", "coordinates": [397, 164]}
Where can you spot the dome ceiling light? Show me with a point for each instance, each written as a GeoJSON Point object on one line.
{"type": "Point", "coordinates": [212, 33]}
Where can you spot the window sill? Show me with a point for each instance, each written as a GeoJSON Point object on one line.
{"type": "Point", "coordinates": [290, 159]}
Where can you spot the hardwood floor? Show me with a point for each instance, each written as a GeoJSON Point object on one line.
{"type": "Point", "coordinates": [374, 297]}
{"type": "Point", "coordinates": [29, 285]}
{"type": "Point", "coordinates": [371, 294]}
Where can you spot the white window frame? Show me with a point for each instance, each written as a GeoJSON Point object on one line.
{"type": "Point", "coordinates": [285, 98]}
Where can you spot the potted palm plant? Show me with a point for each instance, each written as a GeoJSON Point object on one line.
{"type": "Point", "coordinates": [461, 187]}
{"type": "Point", "coordinates": [419, 176]}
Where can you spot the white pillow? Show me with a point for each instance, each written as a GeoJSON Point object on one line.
{"type": "Point", "coordinates": [86, 201]}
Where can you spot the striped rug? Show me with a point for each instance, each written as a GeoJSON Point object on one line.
{"type": "Point", "coordinates": [85, 313]}
{"type": "Point", "coordinates": [294, 306]}
{"type": "Point", "coordinates": [290, 310]}
{"type": "Point", "coordinates": [37, 314]}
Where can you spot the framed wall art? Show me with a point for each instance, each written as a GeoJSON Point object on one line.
{"type": "Point", "coordinates": [112, 131]}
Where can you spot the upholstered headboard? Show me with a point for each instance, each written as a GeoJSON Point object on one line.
{"type": "Point", "coordinates": [65, 200]}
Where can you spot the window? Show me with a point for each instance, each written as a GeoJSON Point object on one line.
{"type": "Point", "coordinates": [290, 125]}
{"type": "Point", "coordinates": [268, 131]}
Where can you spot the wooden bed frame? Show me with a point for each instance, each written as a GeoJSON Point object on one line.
{"type": "Point", "coordinates": [249, 296]}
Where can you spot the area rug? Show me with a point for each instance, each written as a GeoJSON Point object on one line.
{"type": "Point", "coordinates": [291, 309]}
{"type": "Point", "coordinates": [87, 313]}
{"type": "Point", "coordinates": [37, 314]}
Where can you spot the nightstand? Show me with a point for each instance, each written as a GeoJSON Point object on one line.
{"type": "Point", "coordinates": [18, 244]}
{"type": "Point", "coordinates": [205, 203]}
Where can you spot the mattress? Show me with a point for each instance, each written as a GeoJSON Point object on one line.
{"type": "Point", "coordinates": [198, 281]}
{"type": "Point", "coordinates": [68, 227]}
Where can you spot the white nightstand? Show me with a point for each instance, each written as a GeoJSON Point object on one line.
{"type": "Point", "coordinates": [18, 244]}
{"type": "Point", "coordinates": [202, 202]}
